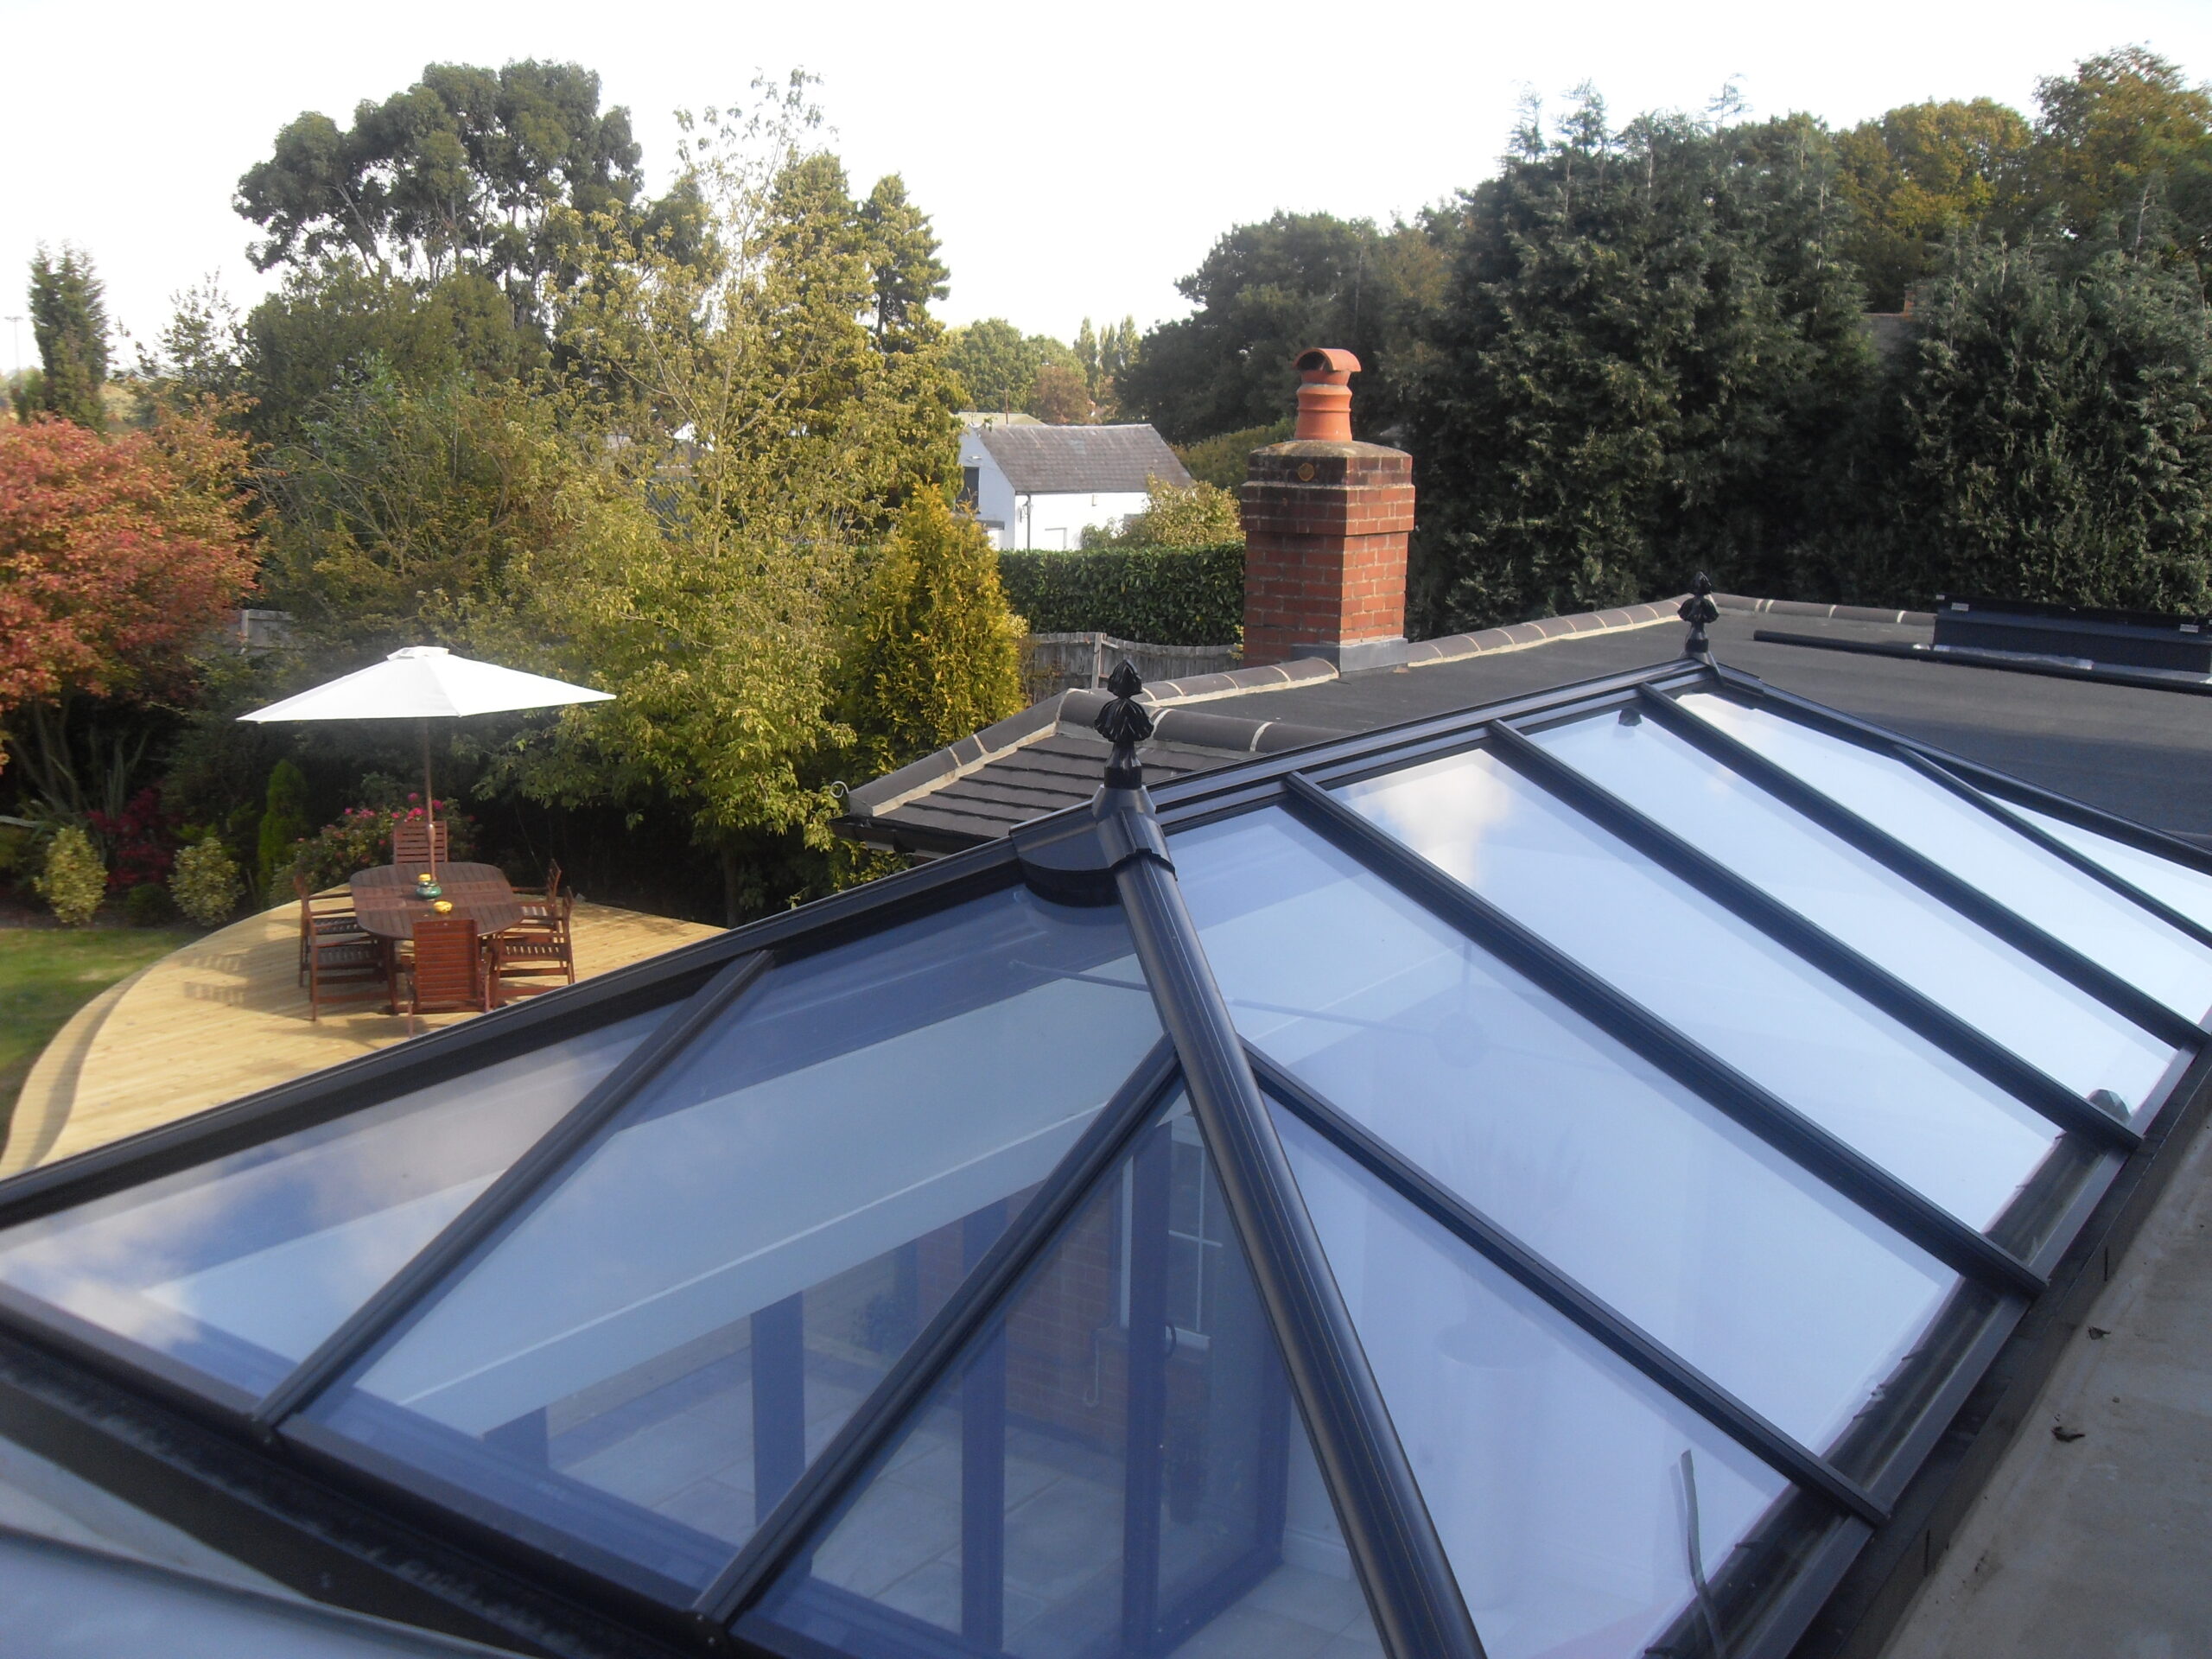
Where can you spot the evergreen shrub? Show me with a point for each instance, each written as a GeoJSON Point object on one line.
{"type": "Point", "coordinates": [1161, 595]}
{"type": "Point", "coordinates": [206, 883]}
{"type": "Point", "coordinates": [75, 880]}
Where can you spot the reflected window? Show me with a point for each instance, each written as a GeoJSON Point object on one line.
{"type": "Point", "coordinates": [647, 1359]}
{"type": "Point", "coordinates": [241, 1266]}
{"type": "Point", "coordinates": [1861, 1076]}
{"type": "Point", "coordinates": [1759, 1273]}
{"type": "Point", "coordinates": [2041, 887]}
{"type": "Point", "coordinates": [2014, 1001]}
{"type": "Point", "coordinates": [1088, 1480]}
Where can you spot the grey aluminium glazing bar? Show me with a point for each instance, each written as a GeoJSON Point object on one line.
{"type": "Point", "coordinates": [1909, 1006]}
{"type": "Point", "coordinates": [1998, 783]}
{"type": "Point", "coordinates": [1930, 877]}
{"type": "Point", "coordinates": [942, 1341]}
{"type": "Point", "coordinates": [1411, 1590]}
{"type": "Point", "coordinates": [1566, 1296]}
{"type": "Point", "coordinates": [2059, 849]}
{"type": "Point", "coordinates": [1766, 1115]}
{"type": "Point", "coordinates": [514, 1188]}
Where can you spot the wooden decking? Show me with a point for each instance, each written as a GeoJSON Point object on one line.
{"type": "Point", "coordinates": [226, 1016]}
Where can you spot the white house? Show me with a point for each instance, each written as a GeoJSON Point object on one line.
{"type": "Point", "coordinates": [1042, 487]}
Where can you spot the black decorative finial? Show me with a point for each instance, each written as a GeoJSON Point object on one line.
{"type": "Point", "coordinates": [1700, 612]}
{"type": "Point", "coordinates": [1124, 723]}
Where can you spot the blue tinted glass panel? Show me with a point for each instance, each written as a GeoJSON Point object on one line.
{"type": "Point", "coordinates": [241, 1266]}
{"type": "Point", "coordinates": [1560, 1480]}
{"type": "Point", "coordinates": [2016, 1001]}
{"type": "Point", "coordinates": [1762, 1276]}
{"type": "Point", "coordinates": [1861, 1074]}
{"type": "Point", "coordinates": [648, 1357]}
{"type": "Point", "coordinates": [1095, 1476]}
{"type": "Point", "coordinates": [1977, 848]}
{"type": "Point", "coordinates": [2181, 887]}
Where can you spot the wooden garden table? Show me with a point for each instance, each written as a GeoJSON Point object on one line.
{"type": "Point", "coordinates": [383, 897]}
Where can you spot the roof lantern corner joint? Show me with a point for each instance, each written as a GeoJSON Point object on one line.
{"type": "Point", "coordinates": [1071, 857]}
{"type": "Point", "coordinates": [1700, 610]}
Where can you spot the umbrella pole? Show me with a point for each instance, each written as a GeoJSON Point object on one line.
{"type": "Point", "coordinates": [429, 802]}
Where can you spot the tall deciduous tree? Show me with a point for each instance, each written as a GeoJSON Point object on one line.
{"type": "Point", "coordinates": [1924, 172]}
{"type": "Point", "coordinates": [750, 435]}
{"type": "Point", "coordinates": [117, 557]}
{"type": "Point", "coordinates": [1267, 292]}
{"type": "Point", "coordinates": [68, 312]}
{"type": "Point", "coordinates": [997, 364]}
{"type": "Point", "coordinates": [463, 170]}
{"type": "Point", "coordinates": [2123, 155]}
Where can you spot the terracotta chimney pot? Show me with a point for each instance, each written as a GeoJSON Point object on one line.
{"type": "Point", "coordinates": [1325, 399]}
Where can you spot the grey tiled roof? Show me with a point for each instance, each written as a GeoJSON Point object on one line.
{"type": "Point", "coordinates": [1081, 460]}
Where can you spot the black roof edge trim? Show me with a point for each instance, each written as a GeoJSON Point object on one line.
{"type": "Point", "coordinates": [1402, 1564]}
{"type": "Point", "coordinates": [1945, 886]}
{"type": "Point", "coordinates": [1856, 1177]}
{"type": "Point", "coordinates": [826, 1480]}
{"type": "Point", "coordinates": [510, 1192]}
{"type": "Point", "coordinates": [265, 1509]}
{"type": "Point", "coordinates": [1566, 1295]}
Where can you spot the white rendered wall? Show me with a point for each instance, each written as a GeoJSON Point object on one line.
{"type": "Point", "coordinates": [1055, 523]}
{"type": "Point", "coordinates": [994, 502]}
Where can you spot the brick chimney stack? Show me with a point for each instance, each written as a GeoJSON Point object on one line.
{"type": "Point", "coordinates": [1325, 525]}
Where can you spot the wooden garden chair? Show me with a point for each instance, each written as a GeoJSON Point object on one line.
{"type": "Point", "coordinates": [410, 844]}
{"type": "Point", "coordinates": [331, 919]}
{"type": "Point", "coordinates": [541, 906]}
{"type": "Point", "coordinates": [534, 951]}
{"type": "Point", "coordinates": [445, 970]}
{"type": "Point", "coordinates": [343, 971]}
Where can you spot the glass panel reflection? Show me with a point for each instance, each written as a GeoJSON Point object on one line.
{"type": "Point", "coordinates": [1095, 1477]}
{"type": "Point", "coordinates": [1866, 1079]}
{"type": "Point", "coordinates": [1763, 1277]}
{"type": "Point", "coordinates": [1956, 833]}
{"type": "Point", "coordinates": [2016, 1001]}
{"type": "Point", "coordinates": [648, 1357]}
{"type": "Point", "coordinates": [2178, 886]}
{"type": "Point", "coordinates": [241, 1266]}
{"type": "Point", "coordinates": [1562, 1484]}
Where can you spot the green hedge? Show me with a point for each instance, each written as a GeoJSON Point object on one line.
{"type": "Point", "coordinates": [1162, 596]}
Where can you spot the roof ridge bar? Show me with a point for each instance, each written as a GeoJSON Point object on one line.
{"type": "Point", "coordinates": [1781, 1125]}
{"type": "Point", "coordinates": [1400, 1561]}
{"type": "Point", "coordinates": [1909, 1006]}
{"type": "Point", "coordinates": [513, 1187]}
{"type": "Point", "coordinates": [2141, 835]}
{"type": "Point", "coordinates": [1930, 877]}
{"type": "Point", "coordinates": [2051, 844]}
{"type": "Point", "coordinates": [825, 1481]}
{"type": "Point", "coordinates": [1566, 1295]}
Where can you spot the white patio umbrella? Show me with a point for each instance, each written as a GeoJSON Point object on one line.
{"type": "Point", "coordinates": [426, 682]}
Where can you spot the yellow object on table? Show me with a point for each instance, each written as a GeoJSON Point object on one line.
{"type": "Point", "coordinates": [443, 906]}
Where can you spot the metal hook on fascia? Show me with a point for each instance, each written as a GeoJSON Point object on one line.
{"type": "Point", "coordinates": [1071, 857]}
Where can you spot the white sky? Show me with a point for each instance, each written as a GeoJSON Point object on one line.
{"type": "Point", "coordinates": [1077, 159]}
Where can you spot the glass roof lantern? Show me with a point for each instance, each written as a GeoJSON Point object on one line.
{"type": "Point", "coordinates": [1528, 1184]}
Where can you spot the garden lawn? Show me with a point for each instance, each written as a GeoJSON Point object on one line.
{"type": "Point", "coordinates": [47, 974]}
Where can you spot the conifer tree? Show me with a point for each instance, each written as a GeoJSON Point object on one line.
{"type": "Point", "coordinates": [68, 309]}
{"type": "Point", "coordinates": [934, 654]}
